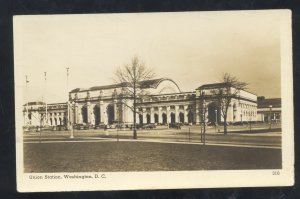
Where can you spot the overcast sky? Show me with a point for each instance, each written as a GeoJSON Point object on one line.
{"type": "Point", "coordinates": [192, 48]}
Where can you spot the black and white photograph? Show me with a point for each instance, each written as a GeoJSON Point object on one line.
{"type": "Point", "coordinates": [153, 100]}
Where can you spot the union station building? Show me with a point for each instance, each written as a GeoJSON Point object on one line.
{"type": "Point", "coordinates": [163, 103]}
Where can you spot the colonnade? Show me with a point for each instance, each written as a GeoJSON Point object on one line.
{"type": "Point", "coordinates": [166, 114]}
{"type": "Point", "coordinates": [96, 113]}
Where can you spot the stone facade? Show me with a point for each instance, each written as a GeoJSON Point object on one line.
{"type": "Point", "coordinates": [164, 103]}
{"type": "Point", "coordinates": [34, 114]}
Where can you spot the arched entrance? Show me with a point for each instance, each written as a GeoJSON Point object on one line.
{"type": "Point", "coordinates": [97, 114]}
{"type": "Point", "coordinates": [65, 120]}
{"type": "Point", "coordinates": [164, 118]}
{"type": "Point", "coordinates": [141, 118]}
{"type": "Point", "coordinates": [84, 114]}
{"type": "Point", "coordinates": [110, 113]}
{"type": "Point", "coordinates": [172, 118]}
{"type": "Point", "coordinates": [213, 113]}
{"type": "Point", "coordinates": [181, 117]}
{"type": "Point", "coordinates": [190, 117]}
{"type": "Point", "coordinates": [148, 119]}
{"type": "Point", "coordinates": [55, 121]}
{"type": "Point", "coordinates": [156, 118]}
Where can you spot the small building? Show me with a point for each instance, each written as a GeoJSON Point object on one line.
{"type": "Point", "coordinates": [269, 109]}
{"type": "Point", "coordinates": [242, 106]}
{"type": "Point", "coordinates": [35, 113]}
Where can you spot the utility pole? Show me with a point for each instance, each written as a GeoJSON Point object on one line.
{"type": "Point", "coordinates": [26, 88]}
{"type": "Point", "coordinates": [68, 105]}
{"type": "Point", "coordinates": [203, 119]}
{"type": "Point", "coordinates": [270, 117]}
{"type": "Point", "coordinates": [46, 117]}
{"type": "Point", "coordinates": [68, 81]}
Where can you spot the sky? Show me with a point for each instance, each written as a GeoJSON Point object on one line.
{"type": "Point", "coordinates": [192, 48]}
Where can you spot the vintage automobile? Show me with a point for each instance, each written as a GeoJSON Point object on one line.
{"type": "Point", "coordinates": [175, 125]}
{"type": "Point", "coordinates": [60, 128]}
{"type": "Point", "coordinates": [79, 126]}
{"type": "Point", "coordinates": [100, 126]}
{"type": "Point", "coordinates": [137, 126]}
{"type": "Point", "coordinates": [111, 126]}
{"type": "Point", "coordinates": [88, 126]}
{"type": "Point", "coordinates": [148, 126]}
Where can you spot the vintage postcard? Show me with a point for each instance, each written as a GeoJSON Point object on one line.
{"type": "Point", "coordinates": [153, 100]}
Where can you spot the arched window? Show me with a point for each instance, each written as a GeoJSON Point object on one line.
{"type": "Point", "coordinates": [172, 118]}
{"type": "Point", "coordinates": [181, 117]}
{"type": "Point", "coordinates": [148, 118]}
{"type": "Point", "coordinates": [84, 114]}
{"type": "Point", "coordinates": [110, 113]}
{"type": "Point", "coordinates": [164, 118]}
{"type": "Point", "coordinates": [97, 114]}
{"type": "Point", "coordinates": [141, 118]}
{"type": "Point", "coordinates": [156, 118]}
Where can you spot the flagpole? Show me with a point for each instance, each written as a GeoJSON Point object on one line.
{"type": "Point", "coordinates": [68, 105]}
{"type": "Point", "coordinates": [26, 122]}
{"type": "Point", "coordinates": [45, 73]}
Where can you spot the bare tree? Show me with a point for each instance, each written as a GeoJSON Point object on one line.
{"type": "Point", "coordinates": [230, 89]}
{"type": "Point", "coordinates": [132, 77]}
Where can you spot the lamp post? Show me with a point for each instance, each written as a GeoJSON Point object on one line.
{"type": "Point", "coordinates": [45, 74]}
{"type": "Point", "coordinates": [67, 122]}
{"type": "Point", "coordinates": [204, 121]}
{"type": "Point", "coordinates": [72, 109]}
{"type": "Point", "coordinates": [270, 117]}
{"type": "Point", "coordinates": [26, 116]}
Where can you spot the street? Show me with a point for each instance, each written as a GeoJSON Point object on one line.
{"type": "Point", "coordinates": [239, 137]}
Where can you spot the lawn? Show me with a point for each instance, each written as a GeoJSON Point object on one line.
{"type": "Point", "coordinates": [110, 156]}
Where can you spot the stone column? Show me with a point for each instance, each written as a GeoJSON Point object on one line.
{"type": "Point", "coordinates": [57, 119]}
{"type": "Point", "coordinates": [137, 116]}
{"type": "Point", "coordinates": [159, 115]}
{"type": "Point", "coordinates": [115, 110]}
{"type": "Point", "coordinates": [197, 111]}
{"type": "Point", "coordinates": [144, 116]}
{"type": "Point", "coordinates": [101, 114]}
{"type": "Point", "coordinates": [186, 119]}
{"type": "Point", "coordinates": [78, 113]}
{"type": "Point", "coordinates": [152, 120]}
{"type": "Point", "coordinates": [104, 119]}
{"type": "Point", "coordinates": [88, 105]}
{"type": "Point", "coordinates": [176, 113]}
{"type": "Point", "coordinates": [123, 112]}
{"type": "Point", "coordinates": [168, 114]}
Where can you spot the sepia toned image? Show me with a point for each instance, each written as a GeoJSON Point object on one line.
{"type": "Point", "coordinates": [118, 101]}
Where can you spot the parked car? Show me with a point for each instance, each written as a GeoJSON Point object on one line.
{"type": "Point", "coordinates": [88, 126]}
{"type": "Point", "coordinates": [110, 126]}
{"type": "Point", "coordinates": [121, 125]}
{"type": "Point", "coordinates": [222, 123]}
{"type": "Point", "coordinates": [175, 125]}
{"type": "Point", "coordinates": [149, 126]}
{"type": "Point", "coordinates": [238, 123]}
{"type": "Point", "coordinates": [137, 126]}
{"type": "Point", "coordinates": [211, 124]}
{"type": "Point", "coordinates": [44, 128]}
{"type": "Point", "coordinates": [60, 128]}
{"type": "Point", "coordinates": [79, 126]}
{"type": "Point", "coordinates": [100, 126]}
